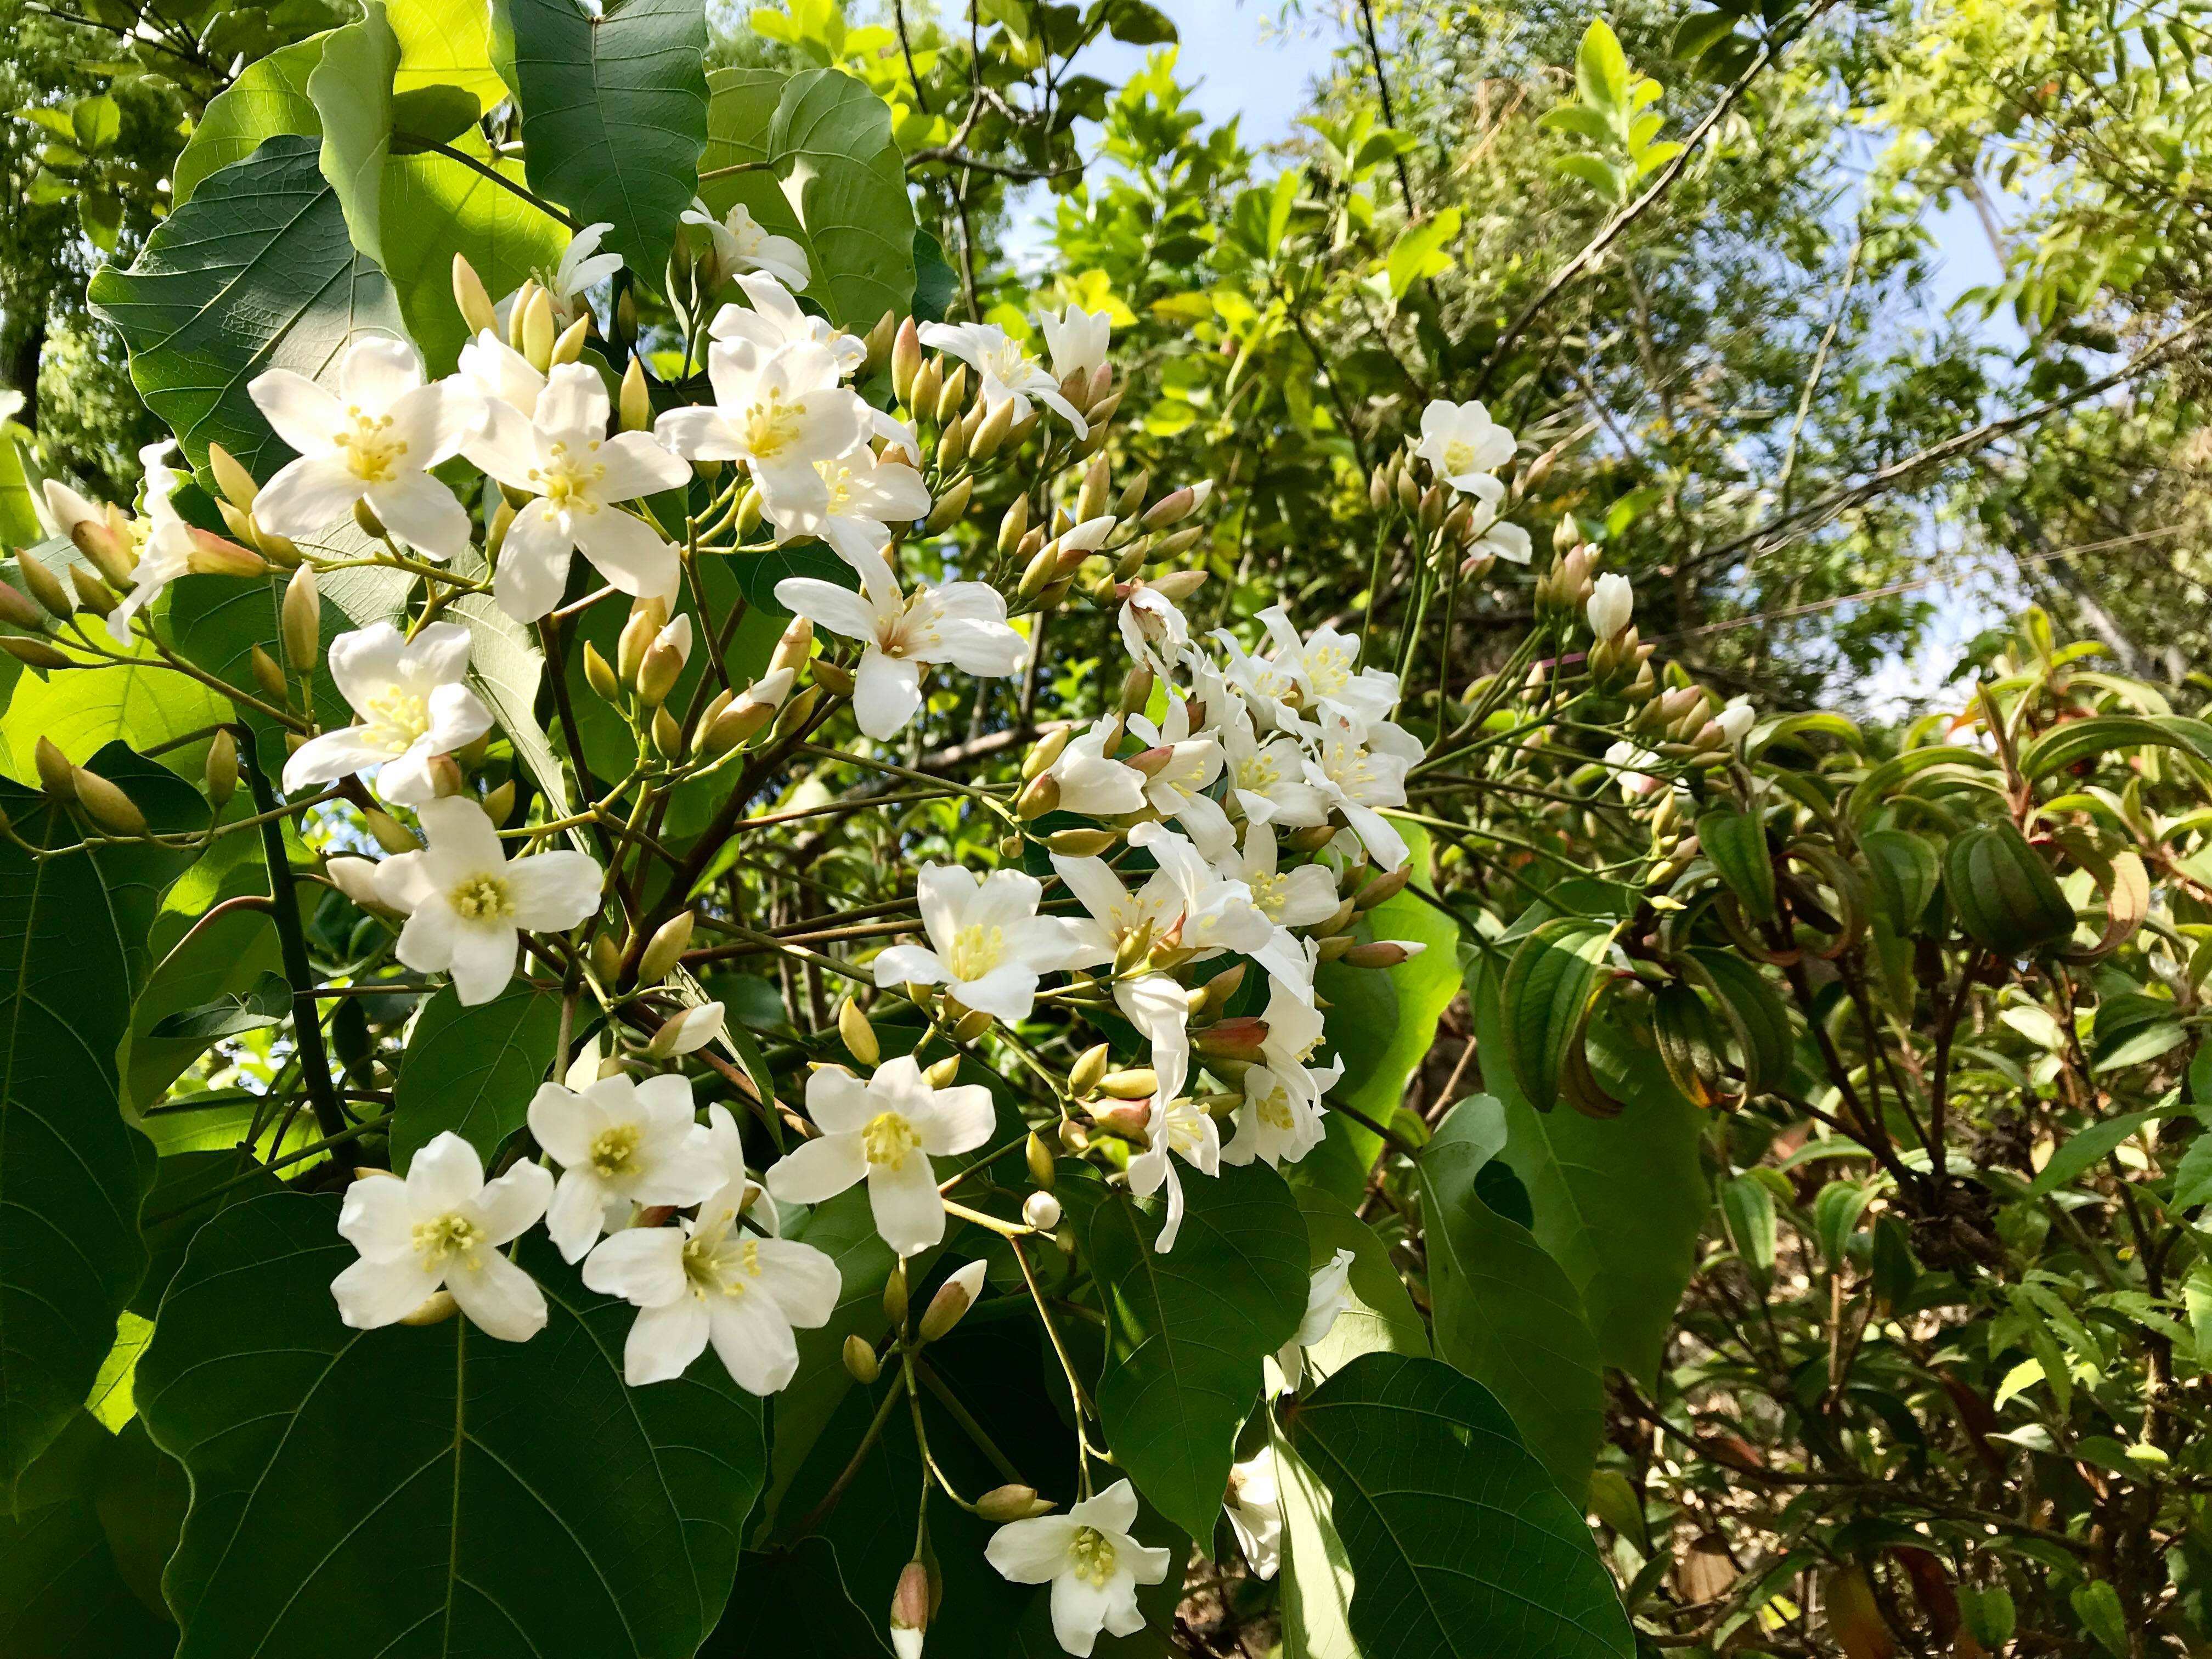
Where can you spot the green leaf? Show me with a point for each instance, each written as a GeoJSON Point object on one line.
{"type": "Point", "coordinates": [1601, 68]}
{"type": "Point", "coordinates": [255, 272]}
{"type": "Point", "coordinates": [834, 181]}
{"type": "Point", "coordinates": [1906, 870]}
{"type": "Point", "coordinates": [1458, 1542]}
{"type": "Point", "coordinates": [222, 959]}
{"type": "Point", "coordinates": [506, 666]}
{"type": "Point", "coordinates": [1619, 1204]}
{"type": "Point", "coordinates": [1579, 120]}
{"type": "Point", "coordinates": [1419, 252]}
{"type": "Point", "coordinates": [1378, 1315]}
{"type": "Point", "coordinates": [268, 98]}
{"type": "Point", "coordinates": [443, 44]}
{"type": "Point", "coordinates": [19, 518]}
{"type": "Point", "coordinates": [1764, 1020]}
{"type": "Point", "coordinates": [1506, 1313]}
{"type": "Point", "coordinates": [2090, 1146]}
{"type": "Point", "coordinates": [1545, 1001]}
{"type": "Point", "coordinates": [1747, 1206]}
{"type": "Point", "coordinates": [2079, 740]}
{"type": "Point", "coordinates": [1696, 33]}
{"type": "Point", "coordinates": [1187, 1330]}
{"type": "Point", "coordinates": [614, 111]}
{"type": "Point", "coordinates": [1315, 1576]}
{"type": "Point", "coordinates": [64, 1594]}
{"type": "Point", "coordinates": [73, 929]}
{"type": "Point", "coordinates": [502, 1498]}
{"type": "Point", "coordinates": [351, 91]}
{"type": "Point", "coordinates": [1593, 172]}
{"type": "Point", "coordinates": [254, 1009]}
{"type": "Point", "coordinates": [1736, 843]}
{"type": "Point", "coordinates": [472, 1070]}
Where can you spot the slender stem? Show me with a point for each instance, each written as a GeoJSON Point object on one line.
{"type": "Point", "coordinates": [475, 164]}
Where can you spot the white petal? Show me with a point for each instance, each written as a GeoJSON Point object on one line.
{"type": "Point", "coordinates": [512, 1203]}
{"type": "Point", "coordinates": [821, 1169]}
{"type": "Point", "coordinates": [1031, 1552]}
{"type": "Point", "coordinates": [308, 495]}
{"type": "Point", "coordinates": [840, 610]}
{"type": "Point", "coordinates": [301, 413]}
{"type": "Point", "coordinates": [578, 1212]}
{"type": "Point", "coordinates": [839, 1102]}
{"type": "Point", "coordinates": [377, 371]}
{"type": "Point", "coordinates": [444, 1175]}
{"type": "Point", "coordinates": [803, 1280]}
{"type": "Point", "coordinates": [636, 465]}
{"type": "Point", "coordinates": [664, 1341]}
{"type": "Point", "coordinates": [574, 402]}
{"type": "Point", "coordinates": [554, 891]}
{"type": "Point", "coordinates": [628, 551]}
{"type": "Point", "coordinates": [753, 1341]}
{"type": "Point", "coordinates": [563, 1123]}
{"type": "Point", "coordinates": [644, 1265]}
{"type": "Point", "coordinates": [963, 1120]}
{"type": "Point", "coordinates": [377, 1219]}
{"type": "Point", "coordinates": [373, 1293]}
{"type": "Point", "coordinates": [422, 513]}
{"type": "Point", "coordinates": [909, 1211]}
{"type": "Point", "coordinates": [886, 691]}
{"type": "Point", "coordinates": [334, 755]}
{"type": "Point", "coordinates": [498, 1297]}
{"type": "Point", "coordinates": [533, 563]}
{"type": "Point", "coordinates": [482, 961]}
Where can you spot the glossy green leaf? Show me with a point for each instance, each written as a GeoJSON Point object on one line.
{"type": "Point", "coordinates": [268, 97]}
{"type": "Point", "coordinates": [223, 959]}
{"type": "Point", "coordinates": [1905, 869]}
{"type": "Point", "coordinates": [519, 1500]}
{"type": "Point", "coordinates": [445, 45]}
{"type": "Point", "coordinates": [614, 111]}
{"type": "Point", "coordinates": [2074, 741]}
{"type": "Point", "coordinates": [255, 272]}
{"type": "Point", "coordinates": [73, 929]}
{"type": "Point", "coordinates": [1460, 1546]}
{"type": "Point", "coordinates": [351, 91]}
{"type": "Point", "coordinates": [1188, 1329]}
{"type": "Point", "coordinates": [1506, 1313]}
{"type": "Point", "coordinates": [1315, 1579]}
{"type": "Point", "coordinates": [1601, 68]}
{"type": "Point", "coordinates": [472, 1070]}
{"type": "Point", "coordinates": [833, 181]}
{"type": "Point", "coordinates": [1421, 251]}
{"type": "Point", "coordinates": [1547, 994]}
{"type": "Point", "coordinates": [1736, 843]}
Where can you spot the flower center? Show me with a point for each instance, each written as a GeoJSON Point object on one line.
{"type": "Point", "coordinates": [1459, 456]}
{"type": "Point", "coordinates": [888, 1139]}
{"type": "Point", "coordinates": [482, 898]}
{"type": "Point", "coordinates": [710, 1264]}
{"type": "Point", "coordinates": [1091, 1556]}
{"type": "Point", "coordinates": [1274, 1109]}
{"type": "Point", "coordinates": [1009, 364]}
{"type": "Point", "coordinates": [400, 714]}
{"type": "Point", "coordinates": [566, 483]}
{"type": "Point", "coordinates": [1328, 667]}
{"type": "Point", "coordinates": [370, 455]}
{"type": "Point", "coordinates": [976, 949]}
{"type": "Point", "coordinates": [1258, 772]}
{"type": "Point", "coordinates": [1268, 891]}
{"type": "Point", "coordinates": [772, 426]}
{"type": "Point", "coordinates": [613, 1149]}
{"type": "Point", "coordinates": [446, 1237]}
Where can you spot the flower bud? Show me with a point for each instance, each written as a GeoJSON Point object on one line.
{"type": "Point", "coordinates": [693, 1028]}
{"type": "Point", "coordinates": [664, 660]}
{"type": "Point", "coordinates": [646, 617]}
{"type": "Point", "coordinates": [750, 505]}
{"type": "Point", "coordinates": [1040, 797]}
{"type": "Point", "coordinates": [499, 803]}
{"type": "Point", "coordinates": [302, 613]}
{"type": "Point", "coordinates": [928, 380]}
{"type": "Point", "coordinates": [796, 712]}
{"type": "Point", "coordinates": [972, 1024]}
{"type": "Point", "coordinates": [1014, 525]}
{"type": "Point", "coordinates": [952, 393]}
{"type": "Point", "coordinates": [949, 505]}
{"type": "Point", "coordinates": [1043, 1168]}
{"type": "Point", "coordinates": [435, 1309]}
{"type": "Point", "coordinates": [1386, 885]}
{"type": "Point", "coordinates": [954, 1297]}
{"type": "Point", "coordinates": [895, 1293]}
{"type": "Point", "coordinates": [861, 1362]}
{"type": "Point", "coordinates": [389, 833]}
{"type": "Point", "coordinates": [1041, 1211]}
{"type": "Point", "coordinates": [446, 778]}
{"type": "Point", "coordinates": [57, 777]}
{"type": "Point", "coordinates": [47, 588]}
{"type": "Point", "coordinates": [235, 482]}
{"type": "Point", "coordinates": [470, 298]}
{"type": "Point", "coordinates": [669, 942]}
{"type": "Point", "coordinates": [1090, 1066]}
{"type": "Point", "coordinates": [92, 594]}
{"type": "Point", "coordinates": [858, 1035]}
{"type": "Point", "coordinates": [107, 806]}
{"type": "Point", "coordinates": [107, 544]}
{"type": "Point", "coordinates": [364, 515]}
{"type": "Point", "coordinates": [1611, 602]}
{"type": "Point", "coordinates": [1080, 843]}
{"type": "Point", "coordinates": [992, 433]}
{"type": "Point", "coordinates": [212, 556]}
{"type": "Point", "coordinates": [1333, 946]}
{"type": "Point", "coordinates": [355, 878]}
{"type": "Point", "coordinates": [534, 318]}
{"type": "Point", "coordinates": [1133, 1083]}
{"type": "Point", "coordinates": [832, 677]}
{"type": "Point", "coordinates": [34, 653]}
{"type": "Point", "coordinates": [599, 675]}
{"type": "Point", "coordinates": [1176, 586]}
{"type": "Point", "coordinates": [636, 402]}
{"type": "Point", "coordinates": [793, 649]}
{"type": "Point", "coordinates": [912, 1603]}
{"type": "Point", "coordinates": [906, 360]}
{"type": "Point", "coordinates": [570, 345]}
{"type": "Point", "coordinates": [1382, 953]}
{"type": "Point", "coordinates": [942, 1074]}
{"type": "Point", "coordinates": [221, 770]}
{"type": "Point", "coordinates": [1013, 1502]}
{"type": "Point", "coordinates": [267, 675]}
{"type": "Point", "coordinates": [666, 734]}
{"type": "Point", "coordinates": [1045, 751]}
{"type": "Point", "coordinates": [1231, 1039]}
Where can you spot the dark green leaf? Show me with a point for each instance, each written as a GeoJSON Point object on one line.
{"type": "Point", "coordinates": [1459, 1543]}
{"type": "Point", "coordinates": [254, 1009]}
{"type": "Point", "coordinates": [64, 1594]}
{"type": "Point", "coordinates": [1736, 843]}
{"type": "Point", "coordinates": [432, 1490]}
{"type": "Point", "coordinates": [472, 1070]}
{"type": "Point", "coordinates": [1547, 996]}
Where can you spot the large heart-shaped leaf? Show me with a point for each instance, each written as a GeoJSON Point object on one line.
{"type": "Point", "coordinates": [1458, 1543]}
{"type": "Point", "coordinates": [472, 1070]}
{"type": "Point", "coordinates": [351, 91]}
{"type": "Point", "coordinates": [830, 177]}
{"type": "Point", "coordinates": [432, 1491]}
{"type": "Point", "coordinates": [73, 928]}
{"type": "Point", "coordinates": [1187, 1330]}
{"type": "Point", "coordinates": [1507, 1315]}
{"type": "Point", "coordinates": [614, 111]}
{"type": "Point", "coordinates": [64, 1589]}
{"type": "Point", "coordinates": [255, 272]}
{"type": "Point", "coordinates": [268, 97]}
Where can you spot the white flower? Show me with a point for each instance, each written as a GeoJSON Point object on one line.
{"type": "Point", "coordinates": [1736, 719]}
{"type": "Point", "coordinates": [1255, 1504]}
{"type": "Point", "coordinates": [562, 456]}
{"type": "Point", "coordinates": [501, 374]}
{"type": "Point", "coordinates": [1496, 538]}
{"type": "Point", "coordinates": [1007, 371]}
{"type": "Point", "coordinates": [689, 1029]}
{"type": "Point", "coordinates": [1090, 783]}
{"type": "Point", "coordinates": [1628, 762]}
{"type": "Point", "coordinates": [1287, 899]}
{"type": "Point", "coordinates": [1152, 629]}
{"type": "Point", "coordinates": [373, 440]}
{"type": "Point", "coordinates": [774, 320]}
{"type": "Point", "coordinates": [963, 624]}
{"type": "Point", "coordinates": [1181, 1127]}
{"type": "Point", "coordinates": [1611, 603]}
{"type": "Point", "coordinates": [885, 1129]}
{"type": "Point", "coordinates": [742, 246]}
{"type": "Point", "coordinates": [465, 902]}
{"type": "Point", "coordinates": [1324, 667]}
{"type": "Point", "coordinates": [1267, 776]}
{"type": "Point", "coordinates": [1465, 446]}
{"type": "Point", "coordinates": [1077, 339]}
{"type": "Point", "coordinates": [1361, 769]}
{"type": "Point", "coordinates": [1280, 1121]}
{"type": "Point", "coordinates": [582, 267]}
{"type": "Point", "coordinates": [441, 1228]}
{"type": "Point", "coordinates": [620, 1144]}
{"type": "Point", "coordinates": [1176, 786]}
{"type": "Point", "coordinates": [1328, 1294]}
{"type": "Point", "coordinates": [1268, 686]}
{"type": "Point", "coordinates": [167, 551]}
{"type": "Point", "coordinates": [1090, 1560]}
{"type": "Point", "coordinates": [780, 413]}
{"type": "Point", "coordinates": [987, 944]}
{"type": "Point", "coordinates": [713, 1279]}
{"type": "Point", "coordinates": [412, 703]}
{"type": "Point", "coordinates": [860, 496]}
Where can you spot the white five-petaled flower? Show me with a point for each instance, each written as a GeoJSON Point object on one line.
{"type": "Point", "coordinates": [1154, 631]}
{"type": "Point", "coordinates": [987, 944]}
{"type": "Point", "coordinates": [582, 267]}
{"type": "Point", "coordinates": [1328, 1294]}
{"type": "Point", "coordinates": [861, 496]}
{"type": "Point", "coordinates": [742, 245]}
{"type": "Point", "coordinates": [1188, 1132]}
{"type": "Point", "coordinates": [1287, 898]}
{"type": "Point", "coordinates": [563, 457]}
{"type": "Point", "coordinates": [1077, 339]}
{"type": "Point", "coordinates": [1006, 370]}
{"type": "Point", "coordinates": [441, 1228]}
{"type": "Point", "coordinates": [1280, 1121]}
{"type": "Point", "coordinates": [712, 1278]}
{"type": "Point", "coordinates": [465, 902]}
{"type": "Point", "coordinates": [963, 624]}
{"type": "Point", "coordinates": [886, 1130]}
{"type": "Point", "coordinates": [1254, 1502]}
{"type": "Point", "coordinates": [1324, 667]}
{"type": "Point", "coordinates": [1466, 448]}
{"type": "Point", "coordinates": [1361, 769]}
{"type": "Point", "coordinates": [412, 703]}
{"type": "Point", "coordinates": [1091, 783]}
{"type": "Point", "coordinates": [167, 551]}
{"type": "Point", "coordinates": [773, 319]}
{"type": "Point", "coordinates": [1611, 603]}
{"type": "Point", "coordinates": [1092, 1561]}
{"type": "Point", "coordinates": [373, 440]}
{"type": "Point", "coordinates": [1177, 787]}
{"type": "Point", "coordinates": [781, 412]}
{"type": "Point", "coordinates": [620, 1144]}
{"type": "Point", "coordinates": [1268, 775]}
